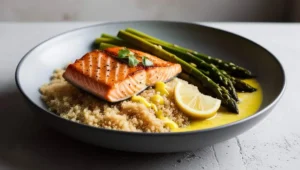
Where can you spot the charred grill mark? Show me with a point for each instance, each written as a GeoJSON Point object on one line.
{"type": "Point", "coordinates": [90, 64]}
{"type": "Point", "coordinates": [116, 71]}
{"type": "Point", "coordinates": [82, 63]}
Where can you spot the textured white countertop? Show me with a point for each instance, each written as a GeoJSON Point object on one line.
{"type": "Point", "coordinates": [27, 144]}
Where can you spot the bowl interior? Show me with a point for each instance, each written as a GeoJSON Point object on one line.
{"type": "Point", "coordinates": [38, 65]}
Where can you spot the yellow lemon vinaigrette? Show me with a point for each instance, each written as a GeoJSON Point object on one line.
{"type": "Point", "coordinates": [249, 103]}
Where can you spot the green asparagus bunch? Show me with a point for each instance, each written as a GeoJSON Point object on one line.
{"type": "Point", "coordinates": [231, 68]}
{"type": "Point", "coordinates": [212, 75]}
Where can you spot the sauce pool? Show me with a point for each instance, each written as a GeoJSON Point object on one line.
{"type": "Point", "coordinates": [249, 103]}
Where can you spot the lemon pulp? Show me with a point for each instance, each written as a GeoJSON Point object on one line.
{"type": "Point", "coordinates": [193, 103]}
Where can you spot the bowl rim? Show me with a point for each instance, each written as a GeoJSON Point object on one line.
{"type": "Point", "coordinates": [256, 114]}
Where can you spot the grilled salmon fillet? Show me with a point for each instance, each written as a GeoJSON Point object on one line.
{"type": "Point", "coordinates": [102, 74]}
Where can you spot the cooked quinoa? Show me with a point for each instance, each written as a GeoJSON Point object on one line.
{"type": "Point", "coordinates": [77, 105]}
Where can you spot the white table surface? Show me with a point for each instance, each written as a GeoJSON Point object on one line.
{"type": "Point", "coordinates": [25, 143]}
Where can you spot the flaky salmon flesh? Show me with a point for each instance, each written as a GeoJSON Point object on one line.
{"type": "Point", "coordinates": [104, 75]}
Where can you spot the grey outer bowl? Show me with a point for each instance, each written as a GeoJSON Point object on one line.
{"type": "Point", "coordinates": [38, 64]}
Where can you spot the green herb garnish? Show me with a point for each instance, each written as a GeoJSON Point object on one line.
{"type": "Point", "coordinates": [132, 61]}
{"type": "Point", "coordinates": [123, 53]}
{"type": "Point", "coordinates": [127, 54]}
{"type": "Point", "coordinates": [146, 62]}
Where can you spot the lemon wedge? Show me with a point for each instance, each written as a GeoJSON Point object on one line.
{"type": "Point", "coordinates": [193, 103]}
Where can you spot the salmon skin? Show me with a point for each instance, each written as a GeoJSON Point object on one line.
{"type": "Point", "coordinates": [104, 75]}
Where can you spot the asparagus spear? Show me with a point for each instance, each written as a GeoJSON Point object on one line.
{"type": "Point", "coordinates": [239, 84]}
{"type": "Point", "coordinates": [215, 74]}
{"type": "Point", "coordinates": [110, 36]}
{"type": "Point", "coordinates": [191, 79]}
{"type": "Point", "coordinates": [230, 67]}
{"type": "Point", "coordinates": [105, 42]}
{"type": "Point", "coordinates": [110, 41]}
{"type": "Point", "coordinates": [207, 73]}
{"type": "Point", "coordinates": [218, 91]}
{"type": "Point", "coordinates": [103, 46]}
